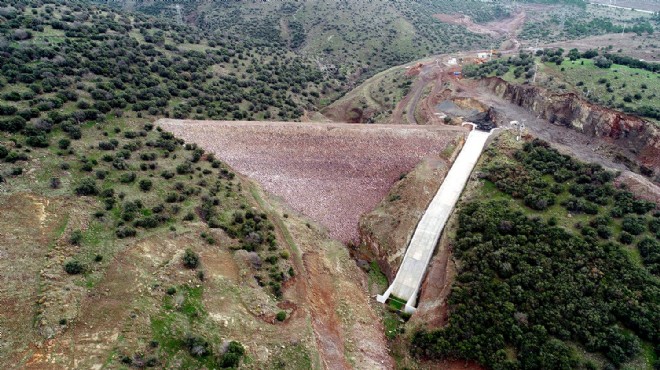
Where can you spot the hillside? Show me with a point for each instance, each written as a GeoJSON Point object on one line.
{"type": "Point", "coordinates": [600, 76]}
{"type": "Point", "coordinates": [122, 245]}
{"type": "Point", "coordinates": [97, 60]}
{"type": "Point", "coordinates": [557, 268]}
{"type": "Point", "coordinates": [347, 35]}
{"type": "Point", "coordinates": [165, 201]}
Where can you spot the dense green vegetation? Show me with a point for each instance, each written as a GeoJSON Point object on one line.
{"type": "Point", "coordinates": [536, 288]}
{"type": "Point", "coordinates": [78, 63]}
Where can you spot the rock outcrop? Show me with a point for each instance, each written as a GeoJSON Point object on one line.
{"type": "Point", "coordinates": [639, 138]}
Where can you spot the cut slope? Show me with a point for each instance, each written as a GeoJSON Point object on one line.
{"type": "Point", "coordinates": [330, 172]}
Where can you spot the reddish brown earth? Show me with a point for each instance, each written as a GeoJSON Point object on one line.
{"type": "Point", "coordinates": [332, 173]}
{"type": "Point", "coordinates": [497, 28]}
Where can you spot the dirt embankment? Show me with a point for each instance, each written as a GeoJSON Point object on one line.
{"type": "Point", "coordinates": [499, 28]}
{"type": "Point", "coordinates": [639, 139]}
{"type": "Point", "coordinates": [385, 231]}
{"type": "Point", "coordinates": [332, 173]}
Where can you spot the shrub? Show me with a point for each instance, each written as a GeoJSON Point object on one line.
{"type": "Point", "coordinates": [127, 177]}
{"type": "Point", "coordinates": [232, 358]}
{"type": "Point", "coordinates": [76, 237]}
{"type": "Point", "coordinates": [167, 175]}
{"type": "Point", "coordinates": [604, 232]}
{"type": "Point", "coordinates": [602, 62]}
{"type": "Point", "coordinates": [654, 225]}
{"type": "Point", "coordinates": [64, 143]}
{"type": "Point", "coordinates": [281, 316]}
{"type": "Point", "coordinates": [125, 232]}
{"type": "Point", "coordinates": [146, 184]}
{"type": "Point", "coordinates": [149, 222]}
{"type": "Point", "coordinates": [39, 141]}
{"type": "Point", "coordinates": [105, 145]}
{"type": "Point", "coordinates": [14, 157]}
{"type": "Point", "coordinates": [184, 168]}
{"type": "Point", "coordinates": [626, 238]}
{"type": "Point", "coordinates": [74, 267]}
{"type": "Point", "coordinates": [3, 152]}
{"type": "Point", "coordinates": [87, 187]}
{"type": "Point", "coordinates": [16, 171]}
{"type": "Point", "coordinates": [197, 346]}
{"type": "Point", "coordinates": [633, 225]}
{"type": "Point", "coordinates": [190, 259]}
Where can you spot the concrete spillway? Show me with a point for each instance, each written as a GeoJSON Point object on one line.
{"type": "Point", "coordinates": [409, 277]}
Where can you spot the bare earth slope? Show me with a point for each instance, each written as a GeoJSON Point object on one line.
{"type": "Point", "coordinates": [332, 173]}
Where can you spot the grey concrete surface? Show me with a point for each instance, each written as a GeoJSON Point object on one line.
{"type": "Point", "coordinates": [409, 277]}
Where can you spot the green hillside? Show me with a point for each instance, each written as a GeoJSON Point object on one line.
{"type": "Point", "coordinates": [90, 61]}
{"type": "Point", "coordinates": [558, 269]}
{"type": "Point", "coordinates": [359, 37]}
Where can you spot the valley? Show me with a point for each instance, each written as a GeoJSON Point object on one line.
{"type": "Point", "coordinates": [233, 184]}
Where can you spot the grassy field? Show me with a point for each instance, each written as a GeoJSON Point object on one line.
{"type": "Point", "coordinates": [617, 87]}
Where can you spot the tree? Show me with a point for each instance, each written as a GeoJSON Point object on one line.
{"type": "Point", "coordinates": [87, 187]}
{"type": "Point", "coordinates": [602, 62]}
{"type": "Point", "coordinates": [573, 54]}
